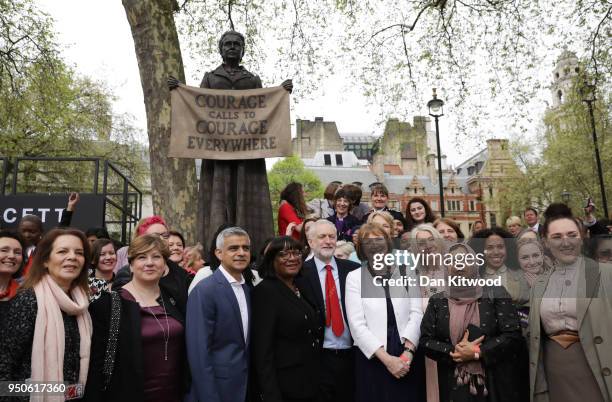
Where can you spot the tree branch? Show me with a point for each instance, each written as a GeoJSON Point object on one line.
{"type": "Point", "coordinates": [229, 14]}
{"type": "Point", "coordinates": [594, 44]}
{"type": "Point", "coordinates": [403, 26]}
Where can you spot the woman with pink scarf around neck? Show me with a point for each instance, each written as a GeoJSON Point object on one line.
{"type": "Point", "coordinates": [473, 333]}
{"type": "Point", "coordinates": [47, 333]}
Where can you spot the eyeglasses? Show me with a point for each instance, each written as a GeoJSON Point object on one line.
{"type": "Point", "coordinates": [285, 255]}
{"type": "Point", "coordinates": [165, 235]}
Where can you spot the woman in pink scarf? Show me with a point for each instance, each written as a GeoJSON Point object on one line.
{"type": "Point", "coordinates": [487, 364]}
{"type": "Point", "coordinates": [47, 332]}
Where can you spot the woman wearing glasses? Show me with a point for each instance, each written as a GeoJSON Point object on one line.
{"type": "Point", "coordinates": [569, 321]}
{"type": "Point", "coordinates": [286, 331]}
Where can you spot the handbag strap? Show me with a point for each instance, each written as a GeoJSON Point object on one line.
{"type": "Point", "coordinates": [111, 346]}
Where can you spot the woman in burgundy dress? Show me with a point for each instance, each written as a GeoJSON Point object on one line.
{"type": "Point", "coordinates": [138, 344]}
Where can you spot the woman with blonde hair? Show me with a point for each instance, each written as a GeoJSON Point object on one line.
{"type": "Point", "coordinates": [428, 242]}
{"type": "Point", "coordinates": [514, 225]}
{"type": "Point", "coordinates": [47, 331]}
{"type": "Point", "coordinates": [385, 220]}
{"type": "Point", "coordinates": [384, 322]}
{"type": "Point", "coordinates": [533, 262]}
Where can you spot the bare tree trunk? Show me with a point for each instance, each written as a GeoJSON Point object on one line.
{"type": "Point", "coordinates": [173, 180]}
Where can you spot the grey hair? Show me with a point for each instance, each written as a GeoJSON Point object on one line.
{"type": "Point", "coordinates": [425, 227]}
{"type": "Point", "coordinates": [312, 232]}
{"type": "Point", "coordinates": [232, 231]}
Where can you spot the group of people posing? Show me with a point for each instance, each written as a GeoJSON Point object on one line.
{"type": "Point", "coordinates": [300, 320]}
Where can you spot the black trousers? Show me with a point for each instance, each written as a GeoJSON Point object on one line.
{"type": "Point", "coordinates": [337, 375]}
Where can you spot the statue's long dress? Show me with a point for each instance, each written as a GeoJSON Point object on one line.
{"type": "Point", "coordinates": [235, 191]}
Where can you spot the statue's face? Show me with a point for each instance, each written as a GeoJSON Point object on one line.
{"type": "Point", "coordinates": [232, 47]}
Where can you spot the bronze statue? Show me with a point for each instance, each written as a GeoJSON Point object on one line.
{"type": "Point", "coordinates": [237, 191]}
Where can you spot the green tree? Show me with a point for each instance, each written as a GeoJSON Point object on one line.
{"type": "Point", "coordinates": [173, 180]}
{"type": "Point", "coordinates": [52, 112]}
{"type": "Point", "coordinates": [26, 38]}
{"type": "Point", "coordinates": [284, 172]}
{"type": "Point", "coordinates": [562, 158]}
{"type": "Point", "coordinates": [569, 156]}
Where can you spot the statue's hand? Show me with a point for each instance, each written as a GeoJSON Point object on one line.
{"type": "Point", "coordinates": [288, 85]}
{"type": "Point", "coordinates": [173, 83]}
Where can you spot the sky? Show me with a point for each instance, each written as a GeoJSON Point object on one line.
{"type": "Point", "coordinates": [97, 41]}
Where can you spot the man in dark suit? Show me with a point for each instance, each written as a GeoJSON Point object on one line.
{"type": "Point", "coordinates": [322, 284]}
{"type": "Point", "coordinates": [218, 317]}
{"type": "Point", "coordinates": [532, 220]}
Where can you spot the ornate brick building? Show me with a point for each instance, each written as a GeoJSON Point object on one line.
{"type": "Point", "coordinates": [404, 159]}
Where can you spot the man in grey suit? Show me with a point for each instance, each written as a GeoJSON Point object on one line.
{"type": "Point", "coordinates": [218, 318]}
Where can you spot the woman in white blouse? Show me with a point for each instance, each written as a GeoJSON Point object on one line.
{"type": "Point", "coordinates": [385, 325]}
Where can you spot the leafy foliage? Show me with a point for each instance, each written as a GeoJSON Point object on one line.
{"type": "Point", "coordinates": [26, 38]}
{"type": "Point", "coordinates": [563, 158]}
{"type": "Point", "coordinates": [486, 57]}
{"type": "Point", "coordinates": [47, 110]}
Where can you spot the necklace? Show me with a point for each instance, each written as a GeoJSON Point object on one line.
{"type": "Point", "coordinates": [296, 291]}
{"type": "Point", "coordinates": [166, 335]}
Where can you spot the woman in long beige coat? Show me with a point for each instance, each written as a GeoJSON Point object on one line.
{"type": "Point", "coordinates": [570, 321]}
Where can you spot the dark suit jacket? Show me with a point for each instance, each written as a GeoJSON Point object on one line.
{"type": "Point", "coordinates": [348, 226]}
{"type": "Point", "coordinates": [127, 379]}
{"type": "Point", "coordinates": [286, 343]}
{"type": "Point", "coordinates": [216, 348]}
{"type": "Point", "coordinates": [310, 286]}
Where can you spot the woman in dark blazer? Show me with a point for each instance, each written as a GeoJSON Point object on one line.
{"type": "Point", "coordinates": [343, 220]}
{"type": "Point", "coordinates": [489, 364]}
{"type": "Point", "coordinates": [286, 341]}
{"type": "Point", "coordinates": [138, 343]}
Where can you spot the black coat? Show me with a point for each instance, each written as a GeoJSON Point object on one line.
{"type": "Point", "coordinates": [127, 379]}
{"type": "Point", "coordinates": [504, 353]}
{"type": "Point", "coordinates": [286, 344]}
{"type": "Point", "coordinates": [310, 286]}
{"type": "Point", "coordinates": [349, 223]}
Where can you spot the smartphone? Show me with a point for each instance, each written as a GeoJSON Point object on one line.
{"type": "Point", "coordinates": [475, 332]}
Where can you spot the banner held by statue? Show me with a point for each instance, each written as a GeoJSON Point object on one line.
{"type": "Point", "coordinates": [230, 124]}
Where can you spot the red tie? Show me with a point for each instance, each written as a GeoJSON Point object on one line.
{"type": "Point", "coordinates": [333, 314]}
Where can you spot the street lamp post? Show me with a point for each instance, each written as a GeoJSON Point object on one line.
{"type": "Point", "coordinates": [436, 110]}
{"type": "Point", "coordinates": [587, 91]}
{"type": "Point", "coordinates": [565, 196]}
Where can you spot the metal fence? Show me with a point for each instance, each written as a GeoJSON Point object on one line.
{"type": "Point", "coordinates": [122, 198]}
